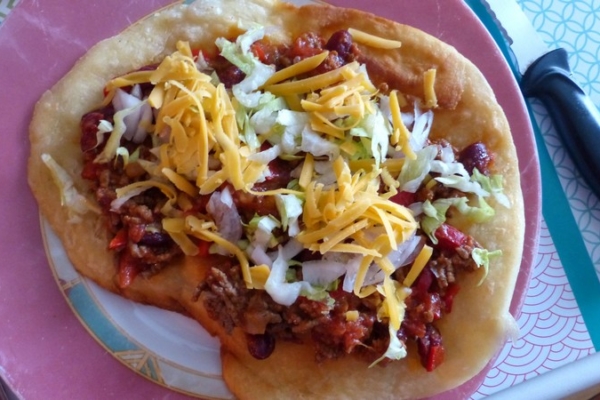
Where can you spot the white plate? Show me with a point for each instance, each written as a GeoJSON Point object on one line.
{"type": "Point", "coordinates": [163, 346]}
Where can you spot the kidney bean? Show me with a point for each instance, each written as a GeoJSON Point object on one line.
{"type": "Point", "coordinates": [154, 239]}
{"type": "Point", "coordinates": [230, 75]}
{"type": "Point", "coordinates": [340, 42]}
{"type": "Point", "coordinates": [260, 346]}
{"type": "Point", "coordinates": [477, 156]}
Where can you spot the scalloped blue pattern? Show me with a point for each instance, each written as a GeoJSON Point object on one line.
{"type": "Point", "coordinates": [575, 26]}
{"type": "Point", "coordinates": [553, 332]}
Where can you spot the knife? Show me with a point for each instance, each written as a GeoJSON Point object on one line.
{"type": "Point", "coordinates": [546, 75]}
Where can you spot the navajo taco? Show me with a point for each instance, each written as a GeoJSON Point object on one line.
{"type": "Point", "coordinates": [337, 200]}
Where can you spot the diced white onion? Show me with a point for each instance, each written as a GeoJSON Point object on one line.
{"type": "Point", "coordinates": [281, 292]}
{"type": "Point", "coordinates": [289, 250]}
{"type": "Point", "coordinates": [136, 91]}
{"type": "Point", "coordinates": [122, 101]}
{"type": "Point", "coordinates": [145, 121]}
{"type": "Point", "coordinates": [226, 216]}
{"type": "Point", "coordinates": [406, 252]}
{"type": "Point", "coordinates": [322, 272]}
{"type": "Point", "coordinates": [259, 256]}
{"type": "Point", "coordinates": [374, 275]}
{"type": "Point", "coordinates": [116, 204]}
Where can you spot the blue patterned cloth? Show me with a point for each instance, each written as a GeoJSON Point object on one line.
{"type": "Point", "coordinates": [574, 26]}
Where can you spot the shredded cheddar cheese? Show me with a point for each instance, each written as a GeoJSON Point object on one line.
{"type": "Point", "coordinates": [418, 265]}
{"type": "Point", "coordinates": [313, 83]}
{"type": "Point", "coordinates": [373, 41]}
{"type": "Point", "coordinates": [299, 68]}
{"type": "Point", "coordinates": [203, 141]}
{"type": "Point", "coordinates": [429, 83]}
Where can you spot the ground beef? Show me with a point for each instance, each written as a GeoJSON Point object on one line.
{"type": "Point", "coordinates": [436, 191]}
{"type": "Point", "coordinates": [229, 302]}
{"type": "Point", "coordinates": [452, 256]}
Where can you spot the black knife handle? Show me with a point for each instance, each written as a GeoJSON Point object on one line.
{"type": "Point", "coordinates": [575, 117]}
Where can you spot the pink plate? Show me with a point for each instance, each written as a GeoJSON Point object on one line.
{"type": "Point", "coordinates": [45, 351]}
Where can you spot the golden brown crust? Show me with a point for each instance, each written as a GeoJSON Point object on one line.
{"type": "Point", "coordinates": [402, 68]}
{"type": "Point", "coordinates": [468, 112]}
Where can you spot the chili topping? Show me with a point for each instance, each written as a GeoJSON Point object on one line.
{"type": "Point", "coordinates": [324, 194]}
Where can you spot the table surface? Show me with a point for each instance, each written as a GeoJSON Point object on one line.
{"type": "Point", "coordinates": [559, 322]}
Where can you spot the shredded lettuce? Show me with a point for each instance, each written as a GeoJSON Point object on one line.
{"type": "Point", "coordinates": [359, 131]}
{"type": "Point", "coordinates": [362, 149]}
{"type": "Point", "coordinates": [240, 56]}
{"type": "Point", "coordinates": [266, 156]}
{"type": "Point", "coordinates": [257, 73]}
{"type": "Point", "coordinates": [396, 349]}
{"type": "Point", "coordinates": [482, 258]}
{"type": "Point", "coordinates": [247, 131]}
{"type": "Point", "coordinates": [435, 213]}
{"type": "Point", "coordinates": [325, 173]}
{"type": "Point", "coordinates": [277, 287]}
{"type": "Point", "coordinates": [293, 123]}
{"type": "Point", "coordinates": [377, 130]}
{"type": "Point", "coordinates": [290, 209]}
{"type": "Point", "coordinates": [266, 116]}
{"type": "Point", "coordinates": [319, 293]}
{"type": "Point", "coordinates": [262, 231]}
{"type": "Point", "coordinates": [75, 202]}
{"type": "Point", "coordinates": [462, 183]}
{"type": "Point", "coordinates": [435, 216]}
{"type": "Point", "coordinates": [492, 184]}
{"type": "Point", "coordinates": [380, 138]}
{"type": "Point", "coordinates": [477, 214]}
{"type": "Point", "coordinates": [454, 175]}
{"type": "Point", "coordinates": [315, 144]}
{"type": "Point", "coordinates": [245, 91]}
{"type": "Point", "coordinates": [421, 128]}
{"type": "Point", "coordinates": [414, 171]}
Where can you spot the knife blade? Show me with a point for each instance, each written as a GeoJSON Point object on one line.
{"type": "Point", "coordinates": [546, 75]}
